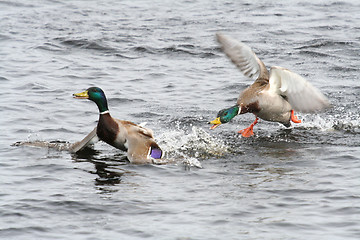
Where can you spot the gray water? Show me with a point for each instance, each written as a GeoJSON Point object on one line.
{"type": "Point", "coordinates": [158, 62]}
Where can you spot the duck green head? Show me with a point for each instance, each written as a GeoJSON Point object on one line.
{"type": "Point", "coordinates": [225, 115]}
{"type": "Point", "coordinates": [96, 95]}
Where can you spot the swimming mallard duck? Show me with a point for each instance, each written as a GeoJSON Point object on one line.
{"type": "Point", "coordinates": [138, 141]}
{"type": "Point", "coordinates": [273, 96]}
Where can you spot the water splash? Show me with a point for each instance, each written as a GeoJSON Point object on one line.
{"type": "Point", "coordinates": [347, 122]}
{"type": "Point", "coordinates": [191, 145]}
{"type": "Point", "coordinates": [57, 145]}
{"type": "Point", "coordinates": [179, 145]}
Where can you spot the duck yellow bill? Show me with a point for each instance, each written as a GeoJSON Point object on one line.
{"type": "Point", "coordinates": [83, 95]}
{"type": "Point", "coordinates": [216, 123]}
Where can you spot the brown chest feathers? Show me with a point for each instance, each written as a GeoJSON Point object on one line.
{"type": "Point", "coordinates": [249, 98]}
{"type": "Point", "coordinates": [107, 129]}
{"type": "Point", "coordinates": [252, 107]}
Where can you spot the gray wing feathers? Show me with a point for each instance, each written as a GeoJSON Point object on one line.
{"type": "Point", "coordinates": [243, 57]}
{"type": "Point", "coordinates": [301, 95]}
{"type": "Point", "coordinates": [91, 138]}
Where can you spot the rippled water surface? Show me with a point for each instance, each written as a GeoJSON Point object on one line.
{"type": "Point", "coordinates": [158, 62]}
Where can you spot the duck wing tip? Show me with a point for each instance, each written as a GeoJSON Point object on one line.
{"type": "Point", "coordinates": [243, 57]}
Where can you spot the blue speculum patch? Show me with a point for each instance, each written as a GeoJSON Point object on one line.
{"type": "Point", "coordinates": [156, 153]}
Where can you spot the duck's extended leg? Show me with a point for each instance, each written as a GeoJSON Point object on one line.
{"type": "Point", "coordinates": [247, 132]}
{"type": "Point", "coordinates": [294, 118]}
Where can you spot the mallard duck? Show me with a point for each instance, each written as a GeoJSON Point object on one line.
{"type": "Point", "coordinates": [137, 140]}
{"type": "Point", "coordinates": [274, 96]}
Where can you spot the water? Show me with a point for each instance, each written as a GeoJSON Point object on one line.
{"type": "Point", "coordinates": [158, 62]}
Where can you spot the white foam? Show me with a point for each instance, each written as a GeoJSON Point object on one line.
{"type": "Point", "coordinates": [347, 122]}
{"type": "Point", "coordinates": [190, 146]}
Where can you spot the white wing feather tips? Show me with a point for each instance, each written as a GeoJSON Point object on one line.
{"type": "Point", "coordinates": [241, 55]}
{"type": "Point", "coordinates": [301, 95]}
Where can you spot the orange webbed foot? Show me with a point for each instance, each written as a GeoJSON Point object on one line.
{"type": "Point", "coordinates": [248, 132]}
{"type": "Point", "coordinates": [294, 118]}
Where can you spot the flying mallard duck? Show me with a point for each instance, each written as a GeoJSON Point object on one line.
{"type": "Point", "coordinates": [138, 141]}
{"type": "Point", "coordinates": [273, 96]}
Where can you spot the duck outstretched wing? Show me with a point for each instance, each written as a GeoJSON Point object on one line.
{"type": "Point", "coordinates": [91, 138]}
{"type": "Point", "coordinates": [300, 93]}
{"type": "Point", "coordinates": [243, 57]}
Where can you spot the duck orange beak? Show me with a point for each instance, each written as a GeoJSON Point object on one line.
{"type": "Point", "coordinates": [82, 95]}
{"type": "Point", "coordinates": [216, 123]}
